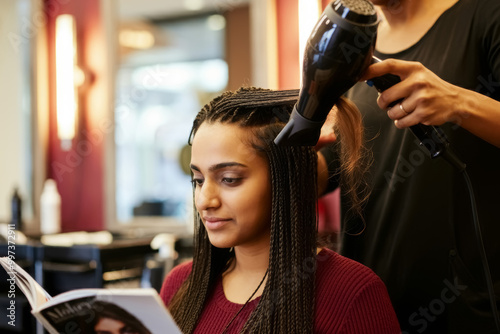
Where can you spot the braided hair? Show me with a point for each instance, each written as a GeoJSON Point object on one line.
{"type": "Point", "coordinates": [287, 302]}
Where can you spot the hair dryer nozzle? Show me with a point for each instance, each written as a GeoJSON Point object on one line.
{"type": "Point", "coordinates": [299, 131]}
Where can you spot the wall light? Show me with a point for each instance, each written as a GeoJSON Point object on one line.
{"type": "Point", "coordinates": [216, 22]}
{"type": "Point", "coordinates": [194, 4]}
{"type": "Point", "coordinates": [67, 77]}
{"type": "Point", "coordinates": [309, 11]}
{"type": "Point", "coordinates": [136, 39]}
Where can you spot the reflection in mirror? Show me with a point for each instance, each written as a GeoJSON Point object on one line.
{"type": "Point", "coordinates": [168, 70]}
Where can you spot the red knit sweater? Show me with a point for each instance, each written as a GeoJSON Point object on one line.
{"type": "Point", "coordinates": [350, 298]}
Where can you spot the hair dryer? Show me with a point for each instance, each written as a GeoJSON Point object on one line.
{"type": "Point", "coordinates": [339, 49]}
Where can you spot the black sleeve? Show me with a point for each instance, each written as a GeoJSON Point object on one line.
{"type": "Point", "coordinates": [490, 10]}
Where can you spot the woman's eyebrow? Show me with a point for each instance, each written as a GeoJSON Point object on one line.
{"type": "Point", "coordinates": [219, 166]}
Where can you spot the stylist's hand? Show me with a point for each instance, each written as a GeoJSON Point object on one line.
{"type": "Point", "coordinates": [327, 135]}
{"type": "Point", "coordinates": [426, 98]}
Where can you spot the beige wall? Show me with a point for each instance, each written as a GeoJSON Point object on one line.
{"type": "Point", "coordinates": [14, 116]}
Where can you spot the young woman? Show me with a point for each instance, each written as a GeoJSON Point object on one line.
{"type": "Point", "coordinates": [256, 267]}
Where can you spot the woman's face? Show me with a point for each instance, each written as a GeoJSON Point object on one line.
{"type": "Point", "coordinates": [112, 326]}
{"type": "Point", "coordinates": [233, 187]}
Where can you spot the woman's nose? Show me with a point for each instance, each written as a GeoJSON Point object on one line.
{"type": "Point", "coordinates": [207, 196]}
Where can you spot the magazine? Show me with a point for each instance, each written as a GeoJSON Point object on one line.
{"type": "Point", "coordinates": [138, 311]}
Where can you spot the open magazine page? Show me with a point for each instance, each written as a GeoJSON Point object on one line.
{"type": "Point", "coordinates": [138, 311]}
{"type": "Point", "coordinates": [35, 294]}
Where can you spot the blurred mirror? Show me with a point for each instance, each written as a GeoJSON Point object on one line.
{"type": "Point", "coordinates": [171, 62]}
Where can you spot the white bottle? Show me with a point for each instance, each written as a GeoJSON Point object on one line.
{"type": "Point", "coordinates": [50, 208]}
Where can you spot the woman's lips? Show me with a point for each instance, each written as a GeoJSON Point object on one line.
{"type": "Point", "coordinates": [214, 223]}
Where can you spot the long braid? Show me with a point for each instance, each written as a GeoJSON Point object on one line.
{"type": "Point", "coordinates": [292, 179]}
{"type": "Point", "coordinates": [287, 302]}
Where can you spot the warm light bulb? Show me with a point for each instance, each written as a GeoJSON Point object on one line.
{"type": "Point", "coordinates": [66, 91]}
{"type": "Point", "coordinates": [216, 22]}
{"type": "Point", "coordinates": [194, 4]}
{"type": "Point", "coordinates": [136, 39]}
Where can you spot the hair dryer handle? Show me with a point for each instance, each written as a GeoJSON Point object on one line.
{"type": "Point", "coordinates": [431, 137]}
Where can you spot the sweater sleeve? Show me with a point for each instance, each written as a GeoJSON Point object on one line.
{"type": "Point", "coordinates": [174, 280]}
{"type": "Point", "coordinates": [371, 312]}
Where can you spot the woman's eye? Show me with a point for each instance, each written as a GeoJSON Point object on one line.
{"type": "Point", "coordinates": [231, 180]}
{"type": "Point", "coordinates": [128, 330]}
{"type": "Point", "coordinates": [197, 182]}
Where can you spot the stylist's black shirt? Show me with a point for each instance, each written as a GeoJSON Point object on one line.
{"type": "Point", "coordinates": [419, 236]}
